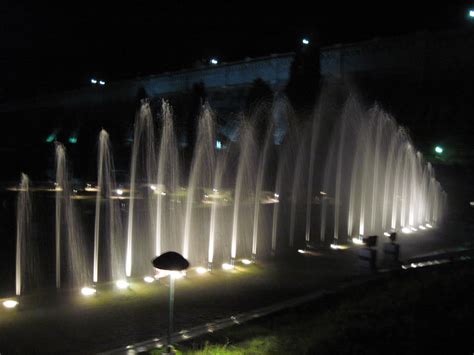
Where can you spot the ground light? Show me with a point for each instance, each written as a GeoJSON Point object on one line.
{"type": "Point", "coordinates": [387, 234]}
{"type": "Point", "coordinates": [438, 149]}
{"type": "Point", "coordinates": [471, 13]}
{"type": "Point", "coordinates": [305, 41]}
{"type": "Point", "coordinates": [174, 263]}
{"type": "Point", "coordinates": [246, 261]}
{"type": "Point", "coordinates": [406, 230]}
{"type": "Point", "coordinates": [10, 304]}
{"type": "Point", "coordinates": [357, 241]}
{"type": "Point", "coordinates": [301, 251]}
{"type": "Point", "coordinates": [201, 270]}
{"type": "Point", "coordinates": [338, 247]}
{"type": "Point", "coordinates": [88, 291]}
{"type": "Point", "coordinates": [148, 279]}
{"type": "Point", "coordinates": [422, 227]}
{"type": "Point", "coordinates": [227, 266]}
{"type": "Point", "coordinates": [121, 284]}
{"type": "Point", "coordinates": [428, 225]}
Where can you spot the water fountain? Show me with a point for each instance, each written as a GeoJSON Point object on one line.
{"type": "Point", "coordinates": [347, 174]}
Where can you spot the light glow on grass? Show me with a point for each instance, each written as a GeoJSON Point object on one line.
{"type": "Point", "coordinates": [148, 279]}
{"type": "Point", "coordinates": [227, 266]}
{"type": "Point", "coordinates": [201, 270]}
{"type": "Point", "coordinates": [10, 304]}
{"type": "Point", "coordinates": [406, 230]}
{"type": "Point", "coordinates": [246, 261]}
{"type": "Point", "coordinates": [88, 291]}
{"type": "Point", "coordinates": [122, 284]}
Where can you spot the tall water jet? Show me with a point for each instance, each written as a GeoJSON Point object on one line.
{"type": "Point", "coordinates": [244, 170]}
{"type": "Point", "coordinates": [258, 191]}
{"type": "Point", "coordinates": [201, 172]}
{"type": "Point", "coordinates": [106, 186]}
{"type": "Point", "coordinates": [143, 147]}
{"type": "Point", "coordinates": [23, 233]}
{"type": "Point", "coordinates": [217, 184]}
{"type": "Point", "coordinates": [168, 175]}
{"type": "Point", "coordinates": [68, 226]}
{"type": "Point", "coordinates": [309, 196]}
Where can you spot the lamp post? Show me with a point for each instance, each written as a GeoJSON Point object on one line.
{"type": "Point", "coordinates": [172, 262]}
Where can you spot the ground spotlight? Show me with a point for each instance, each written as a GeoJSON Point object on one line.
{"type": "Point", "coordinates": [305, 41]}
{"type": "Point", "coordinates": [148, 279]}
{"type": "Point", "coordinates": [246, 261]}
{"type": "Point", "coordinates": [121, 284]}
{"type": "Point", "coordinates": [406, 230]}
{"type": "Point", "coordinates": [10, 304]}
{"type": "Point", "coordinates": [88, 291]}
{"type": "Point", "coordinates": [301, 251]}
{"type": "Point", "coordinates": [335, 246]}
{"type": "Point", "coordinates": [422, 227]}
{"type": "Point", "coordinates": [177, 274]}
{"type": "Point", "coordinates": [201, 270]}
{"type": "Point", "coordinates": [428, 225]}
{"type": "Point", "coordinates": [227, 266]}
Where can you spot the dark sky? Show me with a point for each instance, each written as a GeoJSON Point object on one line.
{"type": "Point", "coordinates": [46, 47]}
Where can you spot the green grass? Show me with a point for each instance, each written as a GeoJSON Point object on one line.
{"type": "Point", "coordinates": [415, 312]}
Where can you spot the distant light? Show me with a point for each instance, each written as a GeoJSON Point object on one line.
{"type": "Point", "coordinates": [10, 304]}
{"type": "Point", "coordinates": [246, 261]}
{"type": "Point", "coordinates": [357, 241]}
{"type": "Point", "coordinates": [305, 41]}
{"type": "Point", "coordinates": [214, 61]}
{"type": "Point", "coordinates": [471, 13]}
{"type": "Point", "coordinates": [471, 203]}
{"type": "Point", "coordinates": [88, 291]}
{"type": "Point", "coordinates": [227, 266]}
{"type": "Point", "coordinates": [121, 284]}
{"type": "Point", "coordinates": [148, 279]}
{"type": "Point", "coordinates": [163, 193]}
{"type": "Point", "coordinates": [406, 230]}
{"type": "Point", "coordinates": [323, 193]}
{"type": "Point", "coordinates": [119, 192]}
{"type": "Point", "coordinates": [218, 145]}
{"type": "Point", "coordinates": [153, 187]}
{"type": "Point", "coordinates": [276, 195]}
{"type": "Point", "coordinates": [201, 270]}
{"type": "Point", "coordinates": [94, 81]}
{"type": "Point", "coordinates": [51, 138]}
{"type": "Point", "coordinates": [438, 149]}
{"type": "Point", "coordinates": [301, 251]}
{"type": "Point", "coordinates": [73, 139]}
{"type": "Point", "coordinates": [101, 82]}
{"type": "Point", "coordinates": [387, 234]}
{"type": "Point", "coordinates": [215, 190]}
{"type": "Point", "coordinates": [428, 225]}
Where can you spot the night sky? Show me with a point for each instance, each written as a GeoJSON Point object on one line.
{"type": "Point", "coordinates": [48, 48]}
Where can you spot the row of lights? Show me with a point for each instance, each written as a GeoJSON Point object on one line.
{"type": "Point", "coordinates": [95, 82]}
{"type": "Point", "coordinates": [123, 284]}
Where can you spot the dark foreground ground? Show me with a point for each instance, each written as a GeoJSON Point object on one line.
{"type": "Point", "coordinates": [67, 323]}
{"type": "Point", "coordinates": [422, 311]}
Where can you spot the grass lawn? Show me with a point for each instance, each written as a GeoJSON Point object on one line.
{"type": "Point", "coordinates": [422, 311]}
